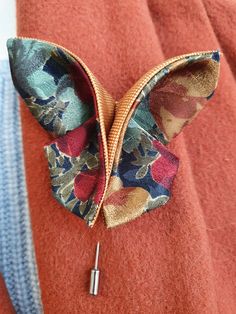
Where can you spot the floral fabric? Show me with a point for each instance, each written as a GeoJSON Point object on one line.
{"type": "Point", "coordinates": [46, 78]}
{"type": "Point", "coordinates": [143, 166]}
{"type": "Point", "coordinates": [60, 95]}
{"type": "Point", "coordinates": [77, 170]}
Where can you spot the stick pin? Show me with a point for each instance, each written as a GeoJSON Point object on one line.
{"type": "Point", "coordinates": [94, 279]}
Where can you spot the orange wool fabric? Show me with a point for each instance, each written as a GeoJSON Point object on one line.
{"type": "Point", "coordinates": [181, 257]}
{"type": "Point", "coordinates": [5, 303]}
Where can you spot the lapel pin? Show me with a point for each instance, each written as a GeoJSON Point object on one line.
{"type": "Point", "coordinates": [94, 279]}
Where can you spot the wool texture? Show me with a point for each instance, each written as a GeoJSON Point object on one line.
{"type": "Point", "coordinates": [181, 257]}
{"type": "Point", "coordinates": [5, 303]}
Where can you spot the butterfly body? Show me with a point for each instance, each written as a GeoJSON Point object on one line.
{"type": "Point", "coordinates": [110, 154]}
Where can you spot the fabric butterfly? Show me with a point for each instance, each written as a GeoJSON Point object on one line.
{"type": "Point", "coordinates": [110, 154]}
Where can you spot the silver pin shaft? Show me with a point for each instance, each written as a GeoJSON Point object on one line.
{"type": "Point", "coordinates": [94, 278]}
{"type": "Point", "coordinates": [97, 254]}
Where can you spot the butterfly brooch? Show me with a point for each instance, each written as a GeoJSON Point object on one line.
{"type": "Point", "coordinates": [107, 154]}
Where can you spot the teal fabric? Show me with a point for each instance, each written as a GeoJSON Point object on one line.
{"type": "Point", "coordinates": [46, 78]}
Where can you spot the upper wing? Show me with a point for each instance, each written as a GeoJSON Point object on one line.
{"type": "Point", "coordinates": [67, 100]}
{"type": "Point", "coordinates": [154, 111]}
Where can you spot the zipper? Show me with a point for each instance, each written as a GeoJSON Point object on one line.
{"type": "Point", "coordinates": [99, 97]}
{"type": "Point", "coordinates": [127, 102]}
{"type": "Point", "coordinates": [129, 98]}
{"type": "Point", "coordinates": [92, 78]}
{"type": "Point", "coordinates": [110, 143]}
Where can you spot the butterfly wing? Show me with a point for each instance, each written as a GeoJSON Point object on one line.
{"type": "Point", "coordinates": [160, 105]}
{"type": "Point", "coordinates": [65, 98]}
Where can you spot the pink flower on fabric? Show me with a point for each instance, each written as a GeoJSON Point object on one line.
{"type": "Point", "coordinates": [74, 142]}
{"type": "Point", "coordinates": [85, 183]}
{"type": "Point", "coordinates": [164, 169]}
{"type": "Point", "coordinates": [175, 99]}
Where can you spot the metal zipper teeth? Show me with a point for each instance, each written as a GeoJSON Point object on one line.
{"type": "Point", "coordinates": [110, 147]}
{"type": "Point", "coordinates": [95, 85]}
{"type": "Point", "coordinates": [129, 98]}
{"type": "Point", "coordinates": [99, 97]}
{"type": "Point", "coordinates": [127, 102]}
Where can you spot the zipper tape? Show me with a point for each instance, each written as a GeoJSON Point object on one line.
{"type": "Point", "coordinates": [103, 97]}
